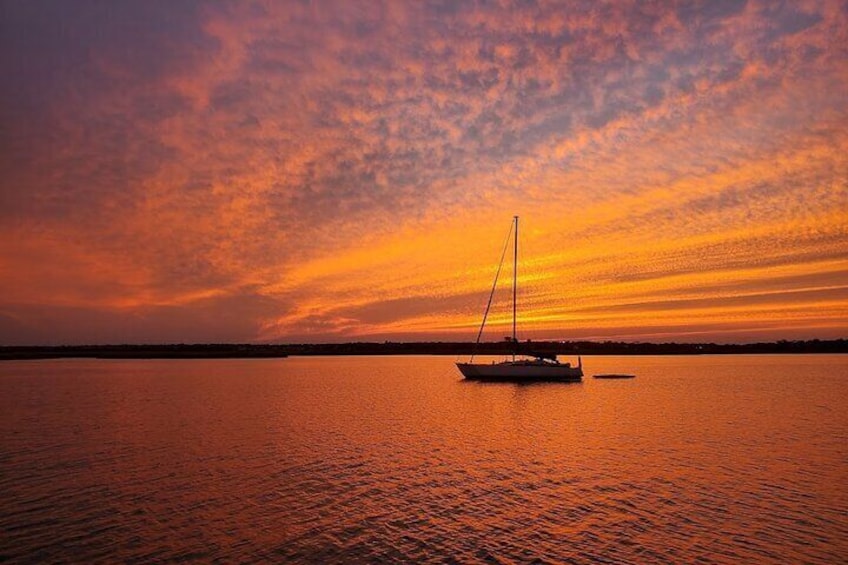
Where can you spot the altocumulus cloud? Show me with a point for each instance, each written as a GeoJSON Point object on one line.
{"type": "Point", "coordinates": [332, 170]}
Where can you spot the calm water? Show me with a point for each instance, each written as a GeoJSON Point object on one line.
{"type": "Point", "coordinates": [736, 459]}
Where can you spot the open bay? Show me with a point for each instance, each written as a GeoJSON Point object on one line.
{"type": "Point", "coordinates": [710, 459]}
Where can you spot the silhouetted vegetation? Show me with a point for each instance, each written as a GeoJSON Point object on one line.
{"type": "Point", "coordinates": [242, 351]}
{"type": "Point", "coordinates": [165, 351]}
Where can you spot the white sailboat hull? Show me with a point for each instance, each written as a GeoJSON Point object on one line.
{"type": "Point", "coordinates": [521, 371]}
{"type": "Point", "coordinates": [543, 368]}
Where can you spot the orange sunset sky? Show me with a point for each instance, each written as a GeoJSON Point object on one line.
{"type": "Point", "coordinates": [343, 170]}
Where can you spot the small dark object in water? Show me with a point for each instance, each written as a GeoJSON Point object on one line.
{"type": "Point", "coordinates": [614, 376]}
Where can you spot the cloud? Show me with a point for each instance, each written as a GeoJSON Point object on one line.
{"type": "Point", "coordinates": [358, 161]}
{"type": "Point", "coordinates": [216, 319]}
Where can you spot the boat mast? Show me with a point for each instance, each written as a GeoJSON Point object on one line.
{"type": "Point", "coordinates": [514, 289]}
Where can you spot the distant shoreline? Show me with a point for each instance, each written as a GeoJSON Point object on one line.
{"type": "Point", "coordinates": [264, 351]}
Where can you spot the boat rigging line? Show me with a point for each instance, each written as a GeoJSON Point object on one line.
{"type": "Point", "coordinates": [492, 293]}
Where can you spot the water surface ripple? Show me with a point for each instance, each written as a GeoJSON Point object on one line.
{"type": "Point", "coordinates": [727, 459]}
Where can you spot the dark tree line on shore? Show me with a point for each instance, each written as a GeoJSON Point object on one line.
{"type": "Point", "coordinates": [232, 351]}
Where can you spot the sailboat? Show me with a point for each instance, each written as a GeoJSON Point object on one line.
{"type": "Point", "coordinates": [530, 367]}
